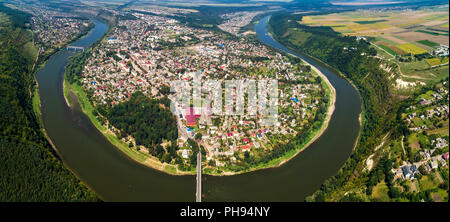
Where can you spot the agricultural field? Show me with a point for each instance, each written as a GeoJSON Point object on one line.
{"type": "Point", "coordinates": [437, 61]}
{"type": "Point", "coordinates": [391, 49]}
{"type": "Point", "coordinates": [410, 48]}
{"type": "Point", "coordinates": [3, 20]}
{"type": "Point", "coordinates": [400, 26]}
{"type": "Point", "coordinates": [408, 38]}
{"type": "Point", "coordinates": [428, 43]}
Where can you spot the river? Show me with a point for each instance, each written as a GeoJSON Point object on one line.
{"type": "Point", "coordinates": [115, 177]}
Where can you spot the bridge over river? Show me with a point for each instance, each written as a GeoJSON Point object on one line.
{"type": "Point", "coordinates": [75, 48]}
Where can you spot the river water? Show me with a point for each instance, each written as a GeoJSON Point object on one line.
{"type": "Point", "coordinates": [115, 177]}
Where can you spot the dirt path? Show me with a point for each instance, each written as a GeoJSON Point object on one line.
{"type": "Point", "coordinates": [403, 146]}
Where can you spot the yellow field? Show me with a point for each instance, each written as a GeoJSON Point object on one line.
{"type": "Point", "coordinates": [381, 25]}
{"type": "Point", "coordinates": [339, 29]}
{"type": "Point", "coordinates": [436, 61]}
{"type": "Point", "coordinates": [358, 27]}
{"type": "Point", "coordinates": [410, 48]}
{"type": "Point", "coordinates": [306, 18]}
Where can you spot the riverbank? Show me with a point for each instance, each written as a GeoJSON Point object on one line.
{"type": "Point", "coordinates": [40, 63]}
{"type": "Point", "coordinates": [331, 92]}
{"type": "Point", "coordinates": [361, 115]}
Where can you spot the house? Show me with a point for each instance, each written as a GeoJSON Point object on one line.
{"type": "Point", "coordinates": [191, 118]}
{"type": "Point", "coordinates": [185, 153]}
{"type": "Point", "coordinates": [245, 148]}
{"type": "Point", "coordinates": [406, 172]}
{"type": "Point", "coordinates": [413, 169]}
{"type": "Point", "coordinates": [434, 164]}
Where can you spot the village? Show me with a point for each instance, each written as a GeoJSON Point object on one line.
{"type": "Point", "coordinates": [424, 161]}
{"type": "Point", "coordinates": [235, 21]}
{"type": "Point", "coordinates": [54, 29]}
{"type": "Point", "coordinates": [149, 53]}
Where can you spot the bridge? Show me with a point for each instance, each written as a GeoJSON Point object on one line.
{"type": "Point", "coordinates": [75, 48]}
{"type": "Point", "coordinates": [198, 194]}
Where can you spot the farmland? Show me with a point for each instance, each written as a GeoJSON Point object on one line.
{"type": "Point", "coordinates": [3, 20]}
{"type": "Point", "coordinates": [437, 61]}
{"type": "Point", "coordinates": [410, 48]}
{"type": "Point", "coordinates": [402, 26]}
{"type": "Point", "coordinates": [428, 43]}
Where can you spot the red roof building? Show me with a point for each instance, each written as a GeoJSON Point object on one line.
{"type": "Point", "coordinates": [245, 147]}
{"type": "Point", "coordinates": [191, 119]}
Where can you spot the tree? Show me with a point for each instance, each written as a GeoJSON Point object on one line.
{"type": "Point", "coordinates": [394, 192]}
{"type": "Point", "coordinates": [246, 155]}
{"type": "Point", "coordinates": [166, 158]}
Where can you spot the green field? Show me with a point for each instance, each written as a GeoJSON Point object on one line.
{"type": "Point", "coordinates": [438, 30]}
{"type": "Point", "coordinates": [420, 70]}
{"type": "Point", "coordinates": [437, 61]}
{"type": "Point", "coordinates": [387, 49]}
{"type": "Point", "coordinates": [428, 182]}
{"type": "Point", "coordinates": [380, 192]}
{"type": "Point", "coordinates": [442, 194]}
{"type": "Point", "coordinates": [370, 22]}
{"type": "Point", "coordinates": [432, 33]}
{"type": "Point", "coordinates": [299, 36]}
{"type": "Point", "coordinates": [36, 104]}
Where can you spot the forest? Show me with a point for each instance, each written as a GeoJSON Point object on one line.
{"type": "Point", "coordinates": [29, 168]}
{"type": "Point", "coordinates": [356, 61]}
{"type": "Point", "coordinates": [148, 121]}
